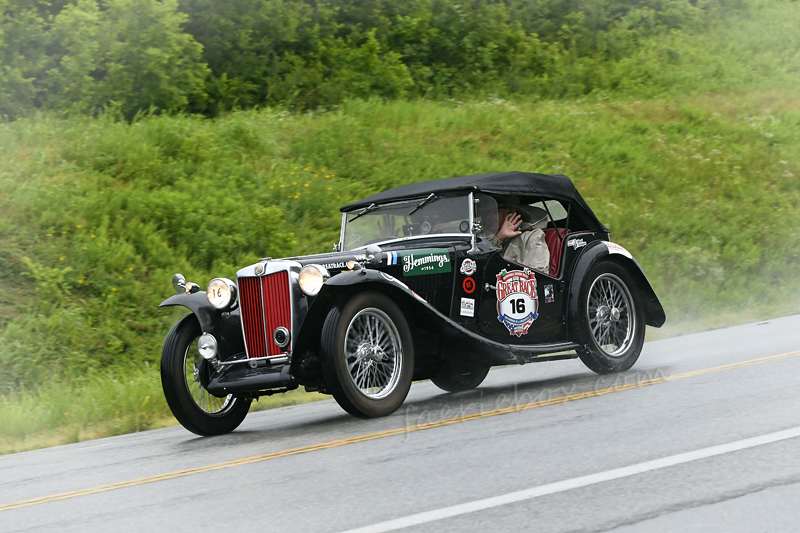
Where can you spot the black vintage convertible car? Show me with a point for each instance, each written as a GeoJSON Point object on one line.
{"type": "Point", "coordinates": [414, 290]}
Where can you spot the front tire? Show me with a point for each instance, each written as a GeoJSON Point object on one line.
{"type": "Point", "coordinates": [611, 320]}
{"type": "Point", "coordinates": [367, 355]}
{"type": "Point", "coordinates": [191, 404]}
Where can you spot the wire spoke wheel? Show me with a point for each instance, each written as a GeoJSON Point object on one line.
{"type": "Point", "coordinates": [373, 352]}
{"type": "Point", "coordinates": [610, 319]}
{"type": "Point", "coordinates": [611, 314]}
{"type": "Point", "coordinates": [182, 368]}
{"type": "Point", "coordinates": [204, 400]}
{"type": "Point", "coordinates": [367, 355]}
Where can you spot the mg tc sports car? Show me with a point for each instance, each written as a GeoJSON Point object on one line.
{"type": "Point", "coordinates": [418, 287]}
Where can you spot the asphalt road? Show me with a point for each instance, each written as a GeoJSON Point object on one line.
{"type": "Point", "coordinates": [702, 435]}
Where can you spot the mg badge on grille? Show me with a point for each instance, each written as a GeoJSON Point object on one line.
{"type": "Point", "coordinates": [259, 269]}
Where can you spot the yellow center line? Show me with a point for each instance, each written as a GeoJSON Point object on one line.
{"type": "Point", "coordinates": [384, 434]}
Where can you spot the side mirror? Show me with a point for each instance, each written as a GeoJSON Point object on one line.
{"type": "Point", "coordinates": [373, 253]}
{"type": "Point", "coordinates": [179, 283]}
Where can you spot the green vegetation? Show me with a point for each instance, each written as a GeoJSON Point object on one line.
{"type": "Point", "coordinates": [207, 56]}
{"type": "Point", "coordinates": [686, 147]}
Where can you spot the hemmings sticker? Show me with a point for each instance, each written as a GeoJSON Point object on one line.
{"type": "Point", "coordinates": [468, 267]}
{"type": "Point", "coordinates": [426, 262]}
{"type": "Point", "coordinates": [467, 307]}
{"type": "Point", "coordinates": [576, 243]}
{"type": "Point", "coordinates": [517, 301]}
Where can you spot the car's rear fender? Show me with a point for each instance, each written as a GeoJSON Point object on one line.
{"type": "Point", "coordinates": [225, 327]}
{"type": "Point", "coordinates": [599, 251]}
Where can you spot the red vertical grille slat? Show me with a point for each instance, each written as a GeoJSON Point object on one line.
{"type": "Point", "coordinates": [252, 317]}
{"type": "Point", "coordinates": [275, 289]}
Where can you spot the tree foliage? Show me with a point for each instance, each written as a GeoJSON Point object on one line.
{"type": "Point", "coordinates": [209, 56]}
{"type": "Point", "coordinates": [128, 55]}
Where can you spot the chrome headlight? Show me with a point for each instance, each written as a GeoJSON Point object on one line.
{"type": "Point", "coordinates": [312, 277]}
{"type": "Point", "coordinates": [221, 293]}
{"type": "Point", "coordinates": [207, 346]}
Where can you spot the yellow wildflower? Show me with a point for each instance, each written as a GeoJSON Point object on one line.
{"type": "Point", "coordinates": [316, 175]}
{"type": "Point", "coordinates": [99, 244]}
{"type": "Point", "coordinates": [306, 185]}
{"type": "Point", "coordinates": [120, 277]}
{"type": "Point", "coordinates": [102, 294]}
{"type": "Point", "coordinates": [60, 258]}
{"type": "Point", "coordinates": [294, 183]}
{"type": "Point", "coordinates": [282, 186]}
{"type": "Point", "coordinates": [330, 188]}
{"type": "Point", "coordinates": [292, 173]}
{"type": "Point", "coordinates": [85, 248]}
{"type": "Point", "coordinates": [79, 226]}
{"type": "Point", "coordinates": [80, 281]}
{"type": "Point", "coordinates": [271, 186]}
{"type": "Point", "coordinates": [93, 236]}
{"type": "Point", "coordinates": [131, 269]}
{"type": "Point", "coordinates": [113, 288]}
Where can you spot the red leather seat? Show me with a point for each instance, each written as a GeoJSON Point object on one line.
{"type": "Point", "coordinates": [554, 237]}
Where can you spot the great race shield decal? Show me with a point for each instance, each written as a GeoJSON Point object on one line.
{"type": "Point", "coordinates": [517, 301]}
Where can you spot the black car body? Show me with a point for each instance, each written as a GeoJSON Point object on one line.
{"type": "Point", "coordinates": [413, 290]}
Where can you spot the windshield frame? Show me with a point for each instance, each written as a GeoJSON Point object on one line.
{"type": "Point", "coordinates": [411, 201]}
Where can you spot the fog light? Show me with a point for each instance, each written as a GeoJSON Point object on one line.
{"type": "Point", "coordinates": [281, 336]}
{"type": "Point", "coordinates": [207, 346]}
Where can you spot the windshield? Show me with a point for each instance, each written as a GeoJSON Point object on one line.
{"type": "Point", "coordinates": [394, 221]}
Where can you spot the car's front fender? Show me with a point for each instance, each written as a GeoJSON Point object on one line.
{"type": "Point", "coordinates": [226, 327]}
{"type": "Point", "coordinates": [599, 251]}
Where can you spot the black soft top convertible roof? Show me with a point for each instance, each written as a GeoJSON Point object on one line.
{"type": "Point", "coordinates": [524, 184]}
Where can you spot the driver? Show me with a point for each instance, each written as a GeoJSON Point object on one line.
{"type": "Point", "coordinates": [521, 235]}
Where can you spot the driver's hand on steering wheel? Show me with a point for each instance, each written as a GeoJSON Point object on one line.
{"type": "Point", "coordinates": [387, 229]}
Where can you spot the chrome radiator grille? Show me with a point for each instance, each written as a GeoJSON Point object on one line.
{"type": "Point", "coordinates": [266, 305]}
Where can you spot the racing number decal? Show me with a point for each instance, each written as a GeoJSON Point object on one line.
{"type": "Point", "coordinates": [517, 300]}
{"type": "Point", "coordinates": [468, 285]}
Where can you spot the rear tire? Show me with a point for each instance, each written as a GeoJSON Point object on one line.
{"type": "Point", "coordinates": [194, 407]}
{"type": "Point", "coordinates": [611, 319]}
{"type": "Point", "coordinates": [367, 355]}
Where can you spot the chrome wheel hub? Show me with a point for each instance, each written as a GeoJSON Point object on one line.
{"type": "Point", "coordinates": [373, 352]}
{"type": "Point", "coordinates": [611, 314]}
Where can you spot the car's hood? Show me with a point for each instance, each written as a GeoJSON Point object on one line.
{"type": "Point", "coordinates": [337, 261]}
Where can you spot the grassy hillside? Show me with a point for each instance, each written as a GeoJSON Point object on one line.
{"type": "Point", "coordinates": [701, 185]}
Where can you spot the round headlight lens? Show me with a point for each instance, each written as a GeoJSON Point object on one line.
{"type": "Point", "coordinates": [221, 293]}
{"type": "Point", "coordinates": [207, 346]}
{"type": "Point", "coordinates": [312, 277]}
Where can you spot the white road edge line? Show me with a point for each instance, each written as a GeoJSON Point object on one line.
{"type": "Point", "coordinates": [574, 483]}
